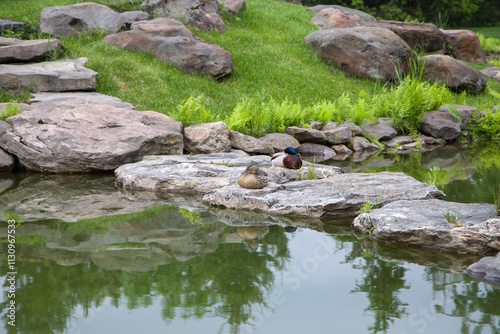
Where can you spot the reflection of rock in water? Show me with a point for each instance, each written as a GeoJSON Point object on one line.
{"type": "Point", "coordinates": [252, 235]}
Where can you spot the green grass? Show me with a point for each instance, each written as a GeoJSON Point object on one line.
{"type": "Point", "coordinates": [275, 75]}
{"type": "Point", "coordinates": [493, 32]}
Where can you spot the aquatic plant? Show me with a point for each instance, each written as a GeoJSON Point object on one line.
{"type": "Point", "coordinates": [432, 176]}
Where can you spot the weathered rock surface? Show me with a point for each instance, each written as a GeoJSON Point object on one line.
{"type": "Point", "coordinates": [487, 268]}
{"type": "Point", "coordinates": [7, 162]}
{"type": "Point", "coordinates": [207, 138]}
{"type": "Point", "coordinates": [234, 7]}
{"type": "Point", "coordinates": [13, 50]}
{"type": "Point", "coordinates": [250, 144]}
{"type": "Point", "coordinates": [322, 152]}
{"type": "Point", "coordinates": [342, 151]}
{"type": "Point", "coordinates": [424, 224]}
{"type": "Point", "coordinates": [441, 125]}
{"type": "Point", "coordinates": [492, 72]}
{"type": "Point", "coordinates": [335, 18]}
{"type": "Point", "coordinates": [205, 15]}
{"type": "Point", "coordinates": [170, 41]}
{"type": "Point", "coordinates": [280, 141]}
{"type": "Point", "coordinates": [424, 36]}
{"type": "Point", "coordinates": [339, 135]}
{"type": "Point", "coordinates": [336, 196]}
{"type": "Point", "coordinates": [365, 17]}
{"type": "Point", "coordinates": [360, 144]}
{"type": "Point", "coordinates": [75, 135]}
{"type": "Point", "coordinates": [380, 131]}
{"type": "Point", "coordinates": [399, 141]}
{"type": "Point", "coordinates": [466, 113]}
{"type": "Point", "coordinates": [455, 74]}
{"type": "Point", "coordinates": [88, 98]}
{"type": "Point", "coordinates": [464, 45]}
{"type": "Point", "coordinates": [53, 76]}
{"type": "Point", "coordinates": [10, 25]}
{"type": "Point", "coordinates": [199, 174]}
{"type": "Point", "coordinates": [366, 52]}
{"type": "Point", "coordinates": [63, 21]}
{"type": "Point", "coordinates": [306, 135]}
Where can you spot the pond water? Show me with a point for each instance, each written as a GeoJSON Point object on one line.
{"type": "Point", "coordinates": [91, 258]}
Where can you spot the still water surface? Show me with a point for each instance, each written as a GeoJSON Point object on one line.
{"type": "Point", "coordinates": [154, 267]}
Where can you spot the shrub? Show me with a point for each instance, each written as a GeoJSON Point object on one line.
{"type": "Point", "coordinates": [10, 110]}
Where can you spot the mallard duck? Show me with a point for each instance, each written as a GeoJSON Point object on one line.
{"type": "Point", "coordinates": [290, 159]}
{"type": "Point", "coordinates": [252, 177]}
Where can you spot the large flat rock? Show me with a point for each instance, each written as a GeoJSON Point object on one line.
{"type": "Point", "coordinates": [199, 174]}
{"type": "Point", "coordinates": [77, 135]}
{"type": "Point", "coordinates": [469, 228]}
{"type": "Point", "coordinates": [340, 195]}
{"type": "Point", "coordinates": [50, 76]}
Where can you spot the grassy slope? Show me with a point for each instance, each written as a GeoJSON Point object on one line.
{"type": "Point", "coordinates": [269, 57]}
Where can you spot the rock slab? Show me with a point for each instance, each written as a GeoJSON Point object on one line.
{"type": "Point", "coordinates": [170, 41]}
{"type": "Point", "coordinates": [13, 50]}
{"type": "Point", "coordinates": [487, 268]}
{"type": "Point", "coordinates": [51, 76]}
{"type": "Point", "coordinates": [469, 228]}
{"type": "Point", "coordinates": [340, 195]}
{"type": "Point", "coordinates": [75, 135]}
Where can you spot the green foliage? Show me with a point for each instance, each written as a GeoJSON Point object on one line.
{"type": "Point", "coordinates": [191, 111]}
{"type": "Point", "coordinates": [489, 44]}
{"type": "Point", "coordinates": [10, 110]}
{"type": "Point", "coordinates": [496, 198]}
{"type": "Point", "coordinates": [453, 219]}
{"type": "Point", "coordinates": [433, 176]}
{"type": "Point", "coordinates": [367, 207]}
{"type": "Point", "coordinates": [6, 215]}
{"type": "Point", "coordinates": [193, 216]}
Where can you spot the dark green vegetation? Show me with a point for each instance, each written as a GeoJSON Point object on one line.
{"type": "Point", "coordinates": [444, 13]}
{"type": "Point", "coordinates": [277, 80]}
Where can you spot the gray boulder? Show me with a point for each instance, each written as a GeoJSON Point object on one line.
{"type": "Point", "coordinates": [306, 135]}
{"type": "Point", "coordinates": [360, 144]}
{"type": "Point", "coordinates": [204, 15]}
{"type": "Point", "coordinates": [487, 268]}
{"type": "Point", "coordinates": [11, 25]}
{"type": "Point", "coordinates": [342, 151]}
{"type": "Point", "coordinates": [201, 173]}
{"type": "Point", "coordinates": [207, 138]}
{"type": "Point", "coordinates": [63, 21]}
{"type": "Point", "coordinates": [366, 52]}
{"type": "Point", "coordinates": [492, 72]}
{"type": "Point", "coordinates": [457, 75]}
{"type": "Point", "coordinates": [419, 36]}
{"type": "Point", "coordinates": [441, 125]}
{"type": "Point", "coordinates": [170, 41]}
{"type": "Point", "coordinates": [7, 162]}
{"type": "Point", "coordinates": [13, 50]}
{"type": "Point", "coordinates": [318, 151]}
{"type": "Point", "coordinates": [341, 195]}
{"type": "Point", "coordinates": [74, 135]}
{"type": "Point", "coordinates": [53, 76]}
{"type": "Point", "coordinates": [466, 113]}
{"type": "Point", "coordinates": [280, 141]}
{"type": "Point", "coordinates": [339, 135]}
{"type": "Point", "coordinates": [250, 144]}
{"type": "Point", "coordinates": [380, 131]}
{"type": "Point", "coordinates": [399, 141]}
{"type": "Point", "coordinates": [456, 227]}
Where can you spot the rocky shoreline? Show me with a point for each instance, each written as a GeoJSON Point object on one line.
{"type": "Point", "coordinates": [75, 132]}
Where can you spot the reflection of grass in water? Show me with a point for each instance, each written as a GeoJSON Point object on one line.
{"type": "Point", "coordinates": [28, 240]}
{"type": "Point", "coordinates": [496, 198]}
{"type": "Point", "coordinates": [193, 216]}
{"type": "Point", "coordinates": [102, 224]}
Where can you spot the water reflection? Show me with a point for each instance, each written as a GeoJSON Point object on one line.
{"type": "Point", "coordinates": [211, 270]}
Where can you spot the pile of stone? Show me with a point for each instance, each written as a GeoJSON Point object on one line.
{"type": "Point", "coordinates": [383, 50]}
